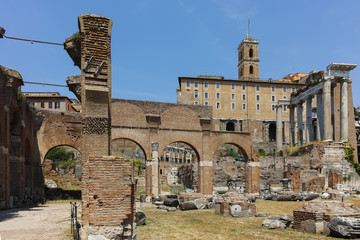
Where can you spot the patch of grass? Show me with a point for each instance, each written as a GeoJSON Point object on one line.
{"type": "Point", "coordinates": [205, 224]}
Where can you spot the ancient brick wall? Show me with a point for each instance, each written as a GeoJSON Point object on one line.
{"type": "Point", "coordinates": [111, 191]}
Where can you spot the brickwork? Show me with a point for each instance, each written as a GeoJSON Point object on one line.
{"type": "Point", "coordinates": [111, 190]}
{"type": "Point", "coordinates": [335, 178]}
{"type": "Point", "coordinates": [294, 174]}
{"type": "Point", "coordinates": [21, 181]}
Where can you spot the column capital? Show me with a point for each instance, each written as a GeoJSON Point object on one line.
{"type": "Point", "coordinates": [155, 146]}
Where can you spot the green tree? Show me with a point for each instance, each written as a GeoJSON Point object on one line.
{"type": "Point", "coordinates": [61, 157]}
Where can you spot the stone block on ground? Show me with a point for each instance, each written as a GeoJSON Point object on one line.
{"type": "Point", "coordinates": [171, 202]}
{"type": "Point", "coordinates": [260, 214]}
{"type": "Point", "coordinates": [188, 206]}
{"type": "Point", "coordinates": [344, 227]}
{"type": "Point", "coordinates": [140, 217]}
{"type": "Point", "coordinates": [171, 209]}
{"type": "Point", "coordinates": [201, 203]}
{"type": "Point", "coordinates": [272, 224]}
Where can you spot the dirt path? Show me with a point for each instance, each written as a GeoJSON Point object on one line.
{"type": "Point", "coordinates": [49, 221]}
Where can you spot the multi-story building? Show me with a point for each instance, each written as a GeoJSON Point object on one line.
{"type": "Point", "coordinates": [49, 101]}
{"type": "Point", "coordinates": [247, 104]}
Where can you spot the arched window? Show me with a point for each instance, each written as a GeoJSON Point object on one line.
{"type": "Point", "coordinates": [230, 126]}
{"type": "Point", "coordinates": [251, 54]}
{"type": "Point", "coordinates": [272, 132]}
{"type": "Point", "coordinates": [251, 69]}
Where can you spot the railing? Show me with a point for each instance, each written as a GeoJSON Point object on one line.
{"type": "Point", "coordinates": [75, 225]}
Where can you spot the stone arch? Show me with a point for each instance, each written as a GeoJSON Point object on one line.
{"type": "Point", "coordinates": [138, 144]}
{"type": "Point", "coordinates": [126, 114]}
{"type": "Point", "coordinates": [180, 117]}
{"type": "Point", "coordinates": [161, 150]}
{"type": "Point", "coordinates": [57, 130]}
{"type": "Point", "coordinates": [243, 151]}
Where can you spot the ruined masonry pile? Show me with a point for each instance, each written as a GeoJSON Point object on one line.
{"type": "Point", "coordinates": [224, 203]}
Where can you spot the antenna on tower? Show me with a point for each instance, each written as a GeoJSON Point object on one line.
{"type": "Point", "coordinates": [248, 32]}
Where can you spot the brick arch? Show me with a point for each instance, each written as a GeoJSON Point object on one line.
{"type": "Point", "coordinates": [59, 130]}
{"type": "Point", "coordinates": [127, 115]}
{"type": "Point", "coordinates": [142, 148]}
{"type": "Point", "coordinates": [180, 117]}
{"type": "Point", "coordinates": [237, 145]}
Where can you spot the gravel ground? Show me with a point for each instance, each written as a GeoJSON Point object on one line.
{"type": "Point", "coordinates": [49, 221]}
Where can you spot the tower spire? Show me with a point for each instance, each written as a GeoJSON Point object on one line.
{"type": "Point", "coordinates": [248, 32]}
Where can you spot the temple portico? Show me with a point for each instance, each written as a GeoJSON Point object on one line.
{"type": "Point", "coordinates": [327, 103]}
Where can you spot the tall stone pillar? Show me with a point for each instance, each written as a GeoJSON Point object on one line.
{"type": "Point", "coordinates": [292, 125]}
{"type": "Point", "coordinates": [319, 120]}
{"type": "Point", "coordinates": [279, 140]}
{"type": "Point", "coordinates": [252, 177]}
{"type": "Point", "coordinates": [155, 168]}
{"type": "Point", "coordinates": [309, 126]}
{"type": "Point", "coordinates": [344, 119]}
{"type": "Point", "coordinates": [326, 97]}
{"type": "Point", "coordinates": [300, 123]}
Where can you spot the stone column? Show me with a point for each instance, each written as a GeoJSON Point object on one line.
{"type": "Point", "coordinates": [252, 177]}
{"type": "Point", "coordinates": [155, 169]}
{"type": "Point", "coordinates": [309, 127]}
{"type": "Point", "coordinates": [319, 120]}
{"type": "Point", "coordinates": [326, 97]}
{"type": "Point", "coordinates": [279, 139]}
{"type": "Point", "coordinates": [300, 123]}
{"type": "Point", "coordinates": [344, 119]}
{"type": "Point", "coordinates": [292, 125]}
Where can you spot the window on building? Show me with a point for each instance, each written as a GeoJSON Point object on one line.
{"type": "Point", "coordinates": [244, 106]}
{"type": "Point", "coordinates": [292, 89]}
{"type": "Point", "coordinates": [284, 97]}
{"type": "Point", "coordinates": [243, 97]}
{"type": "Point", "coordinates": [217, 85]}
{"type": "Point", "coordinates": [57, 104]}
{"type": "Point", "coordinates": [217, 95]}
{"type": "Point", "coordinates": [196, 94]}
{"type": "Point", "coordinates": [68, 107]}
{"type": "Point", "coordinates": [50, 104]}
{"type": "Point", "coordinates": [232, 86]}
{"type": "Point", "coordinates": [251, 70]}
{"type": "Point", "coordinates": [232, 96]}
{"type": "Point", "coordinates": [272, 88]}
{"type": "Point", "coordinates": [273, 107]}
{"type": "Point", "coordinates": [218, 105]}
{"type": "Point", "coordinates": [31, 103]}
{"type": "Point", "coordinates": [258, 107]}
{"type": "Point", "coordinates": [206, 103]}
{"type": "Point", "coordinates": [206, 95]}
{"type": "Point", "coordinates": [285, 108]}
{"type": "Point", "coordinates": [257, 97]}
{"type": "Point", "coordinates": [241, 72]}
{"type": "Point", "coordinates": [251, 53]}
{"type": "Point", "coordinates": [206, 84]}
{"type": "Point", "coordinates": [196, 103]}
{"type": "Point", "coordinates": [196, 84]}
{"type": "Point", "coordinates": [272, 132]}
{"type": "Point", "coordinates": [284, 89]}
{"type": "Point", "coordinates": [187, 83]}
{"type": "Point", "coordinates": [233, 106]}
{"type": "Point", "coordinates": [273, 98]}
{"type": "Point", "coordinates": [42, 104]}
{"type": "Point", "coordinates": [257, 87]}
{"type": "Point", "coordinates": [243, 87]}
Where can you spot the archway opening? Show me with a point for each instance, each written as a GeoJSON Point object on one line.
{"type": "Point", "coordinates": [230, 126]}
{"type": "Point", "coordinates": [272, 132]}
{"type": "Point", "coordinates": [229, 164]}
{"type": "Point", "coordinates": [130, 149]}
{"type": "Point", "coordinates": [62, 173]}
{"type": "Point", "coordinates": [179, 168]}
{"type": "Point", "coordinates": [251, 53]}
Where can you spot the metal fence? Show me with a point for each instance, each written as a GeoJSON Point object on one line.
{"type": "Point", "coordinates": [75, 225]}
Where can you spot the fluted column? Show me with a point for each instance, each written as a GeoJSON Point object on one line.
{"type": "Point", "coordinates": [344, 119]}
{"type": "Point", "coordinates": [326, 97]}
{"type": "Point", "coordinates": [292, 125]}
{"type": "Point", "coordinates": [300, 123]}
{"type": "Point", "coordinates": [309, 127]}
{"type": "Point", "coordinates": [279, 139]}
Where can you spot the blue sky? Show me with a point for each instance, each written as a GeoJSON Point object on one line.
{"type": "Point", "coordinates": [156, 41]}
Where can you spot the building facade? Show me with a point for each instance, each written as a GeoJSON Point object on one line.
{"type": "Point", "coordinates": [246, 104]}
{"type": "Point", "coordinates": [49, 101]}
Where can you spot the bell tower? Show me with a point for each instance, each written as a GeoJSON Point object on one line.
{"type": "Point", "coordinates": [248, 63]}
